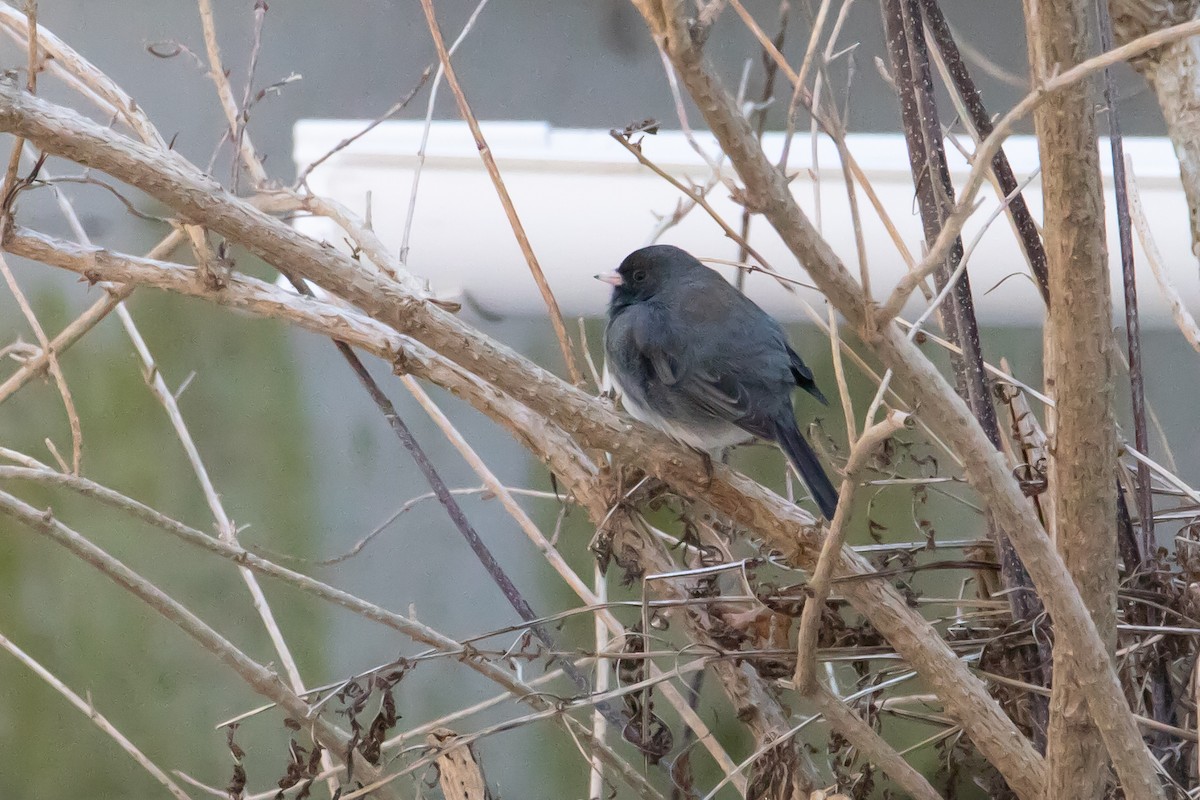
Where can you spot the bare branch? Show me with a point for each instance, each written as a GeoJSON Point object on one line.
{"type": "Point", "coordinates": [990, 146]}
{"type": "Point", "coordinates": [485, 153]}
{"type": "Point", "coordinates": [818, 584]}
{"type": "Point", "coordinates": [259, 678]}
{"type": "Point", "coordinates": [101, 721]}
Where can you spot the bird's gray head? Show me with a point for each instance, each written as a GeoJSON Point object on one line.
{"type": "Point", "coordinates": [645, 272]}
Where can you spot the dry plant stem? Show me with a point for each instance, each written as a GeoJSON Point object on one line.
{"type": "Point", "coordinates": [485, 153]}
{"type": "Point", "coordinates": [873, 437]}
{"type": "Point", "coordinates": [697, 196]}
{"type": "Point", "coordinates": [759, 117]}
{"type": "Point", "coordinates": [429, 107]}
{"type": "Point", "coordinates": [838, 136]}
{"type": "Point", "coordinates": [830, 128]}
{"type": "Point", "coordinates": [101, 722]}
{"type": "Point", "coordinates": [935, 194]}
{"type": "Point", "coordinates": [580, 475]}
{"type": "Point", "coordinates": [1085, 447]}
{"type": "Point", "coordinates": [1141, 436]}
{"type": "Point", "coordinates": [1027, 230]}
{"type": "Point", "coordinates": [60, 380]}
{"type": "Point", "coordinates": [509, 589]}
{"type": "Point", "coordinates": [225, 527]}
{"type": "Point", "coordinates": [37, 365]}
{"type": "Point", "coordinates": [1173, 71]}
{"type": "Point", "coordinates": [986, 469]}
{"type": "Point", "coordinates": [1183, 318]}
{"type": "Point", "coordinates": [260, 14]}
{"type": "Point", "coordinates": [236, 554]}
{"type": "Point", "coordinates": [839, 373]}
{"type": "Point", "coordinates": [602, 682]}
{"type": "Point", "coordinates": [1003, 128]}
{"type": "Point", "coordinates": [872, 747]}
{"type": "Point", "coordinates": [158, 387]}
{"type": "Point", "coordinates": [174, 181]}
{"type": "Point", "coordinates": [216, 71]}
{"type": "Point", "coordinates": [259, 678]}
{"type": "Point", "coordinates": [814, 40]}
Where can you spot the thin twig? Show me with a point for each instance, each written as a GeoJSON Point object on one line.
{"type": "Point", "coordinates": [244, 148]}
{"type": "Point", "coordinates": [485, 153]}
{"type": "Point", "coordinates": [1179, 311]}
{"type": "Point", "coordinates": [819, 583]}
{"type": "Point", "coordinates": [949, 50]}
{"type": "Point", "coordinates": [396, 108]}
{"type": "Point", "coordinates": [101, 721]}
{"type": "Point", "coordinates": [1137, 386]}
{"type": "Point", "coordinates": [991, 144]}
{"type": "Point", "coordinates": [758, 118]}
{"type": "Point", "coordinates": [697, 196]}
{"type": "Point", "coordinates": [51, 356]}
{"type": "Point", "coordinates": [258, 677]}
{"type": "Point", "coordinates": [429, 107]}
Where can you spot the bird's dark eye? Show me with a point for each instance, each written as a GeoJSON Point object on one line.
{"type": "Point", "coordinates": [639, 276]}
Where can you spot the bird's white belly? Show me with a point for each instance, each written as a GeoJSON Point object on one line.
{"type": "Point", "coordinates": [711, 436]}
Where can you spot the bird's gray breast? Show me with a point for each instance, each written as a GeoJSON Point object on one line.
{"type": "Point", "coordinates": [653, 369]}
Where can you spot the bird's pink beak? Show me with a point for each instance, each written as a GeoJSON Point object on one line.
{"type": "Point", "coordinates": [610, 277]}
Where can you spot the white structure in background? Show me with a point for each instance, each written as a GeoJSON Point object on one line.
{"type": "Point", "coordinates": [585, 203]}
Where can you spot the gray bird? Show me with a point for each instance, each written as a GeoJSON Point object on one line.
{"type": "Point", "coordinates": [697, 359]}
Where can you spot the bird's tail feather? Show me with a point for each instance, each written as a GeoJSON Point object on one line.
{"type": "Point", "coordinates": [806, 463]}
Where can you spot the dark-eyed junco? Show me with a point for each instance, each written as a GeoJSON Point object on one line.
{"type": "Point", "coordinates": [697, 359]}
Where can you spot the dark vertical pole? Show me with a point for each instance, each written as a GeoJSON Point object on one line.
{"type": "Point", "coordinates": [1027, 230]}
{"type": "Point", "coordinates": [935, 196]}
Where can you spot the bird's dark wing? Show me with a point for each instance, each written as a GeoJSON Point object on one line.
{"type": "Point", "coordinates": [718, 393]}
{"type": "Point", "coordinates": [673, 361]}
{"type": "Point", "coordinates": [653, 342]}
{"type": "Point", "coordinates": [804, 376]}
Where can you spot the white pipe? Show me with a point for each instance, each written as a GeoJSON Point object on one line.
{"type": "Point", "coordinates": [586, 203]}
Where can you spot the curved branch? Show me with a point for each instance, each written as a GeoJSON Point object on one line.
{"type": "Point", "coordinates": [948, 415]}
{"type": "Point", "coordinates": [172, 180]}
{"type": "Point", "coordinates": [258, 677]}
